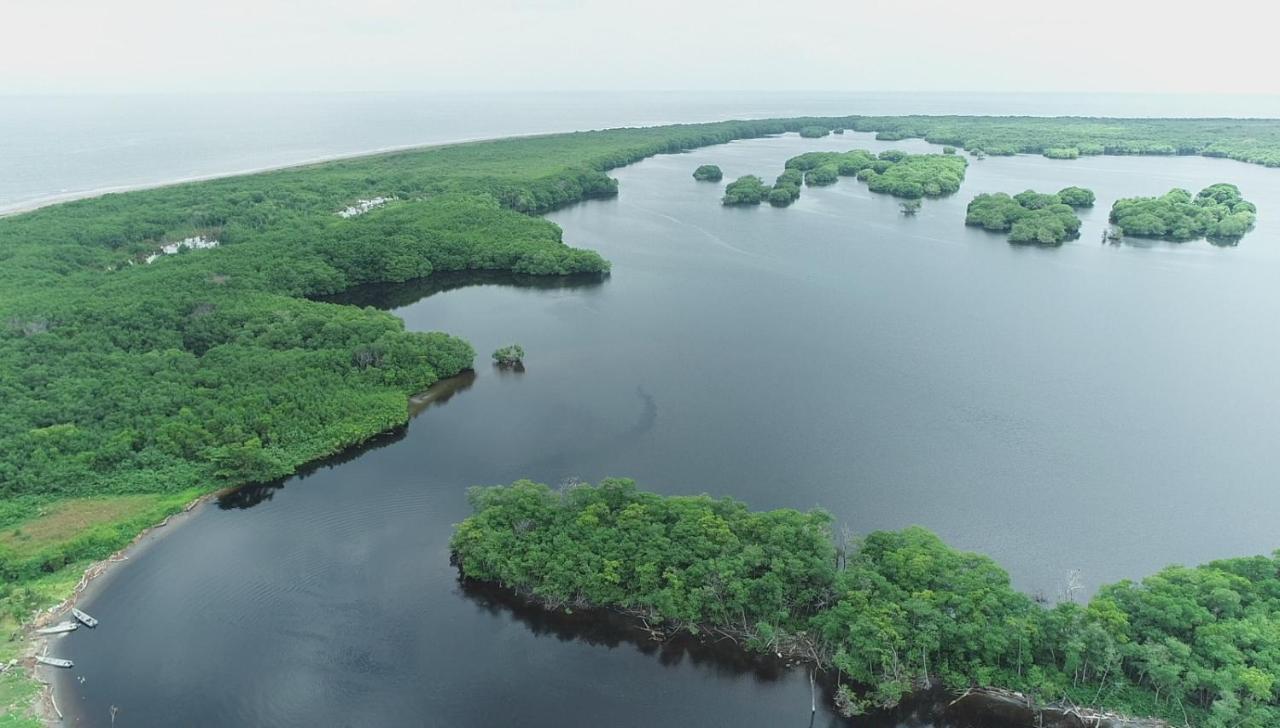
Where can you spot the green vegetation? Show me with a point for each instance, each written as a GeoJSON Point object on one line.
{"type": "Point", "coordinates": [746, 190]}
{"type": "Point", "coordinates": [1200, 644]}
{"type": "Point", "coordinates": [814, 131]}
{"type": "Point", "coordinates": [1218, 213]}
{"type": "Point", "coordinates": [919, 175]}
{"type": "Point", "coordinates": [894, 172]}
{"type": "Point", "coordinates": [1076, 197]}
{"type": "Point", "coordinates": [509, 356]}
{"type": "Point", "coordinates": [708, 173]}
{"type": "Point", "coordinates": [821, 176]}
{"type": "Point", "coordinates": [1031, 217]}
{"type": "Point", "coordinates": [786, 188]}
{"type": "Point", "coordinates": [1245, 140]}
{"type": "Point", "coordinates": [948, 150]}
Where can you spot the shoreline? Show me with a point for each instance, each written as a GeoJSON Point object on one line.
{"type": "Point", "coordinates": [45, 705]}
{"type": "Point", "coordinates": [1001, 707]}
{"type": "Point", "coordinates": [97, 575]}
{"type": "Point", "coordinates": [58, 199]}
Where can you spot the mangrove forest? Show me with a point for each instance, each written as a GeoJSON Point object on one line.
{"type": "Point", "coordinates": [708, 173]}
{"type": "Point", "coordinates": [889, 610]}
{"type": "Point", "coordinates": [1030, 216]}
{"type": "Point", "coordinates": [1217, 213]}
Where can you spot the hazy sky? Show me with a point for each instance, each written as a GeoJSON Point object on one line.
{"type": "Point", "coordinates": [845, 45]}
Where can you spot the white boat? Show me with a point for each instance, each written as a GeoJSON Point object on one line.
{"type": "Point", "coordinates": [58, 628]}
{"type": "Point", "coordinates": [53, 661]}
{"type": "Point", "coordinates": [86, 619]}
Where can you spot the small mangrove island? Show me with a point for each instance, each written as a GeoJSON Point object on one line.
{"type": "Point", "coordinates": [894, 172]}
{"type": "Point", "coordinates": [746, 190]}
{"type": "Point", "coordinates": [509, 356]}
{"type": "Point", "coordinates": [1217, 213]}
{"type": "Point", "coordinates": [1030, 216]}
{"type": "Point", "coordinates": [708, 173]}
{"type": "Point", "coordinates": [888, 611]}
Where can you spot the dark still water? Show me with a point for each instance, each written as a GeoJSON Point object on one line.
{"type": "Point", "coordinates": [1107, 409]}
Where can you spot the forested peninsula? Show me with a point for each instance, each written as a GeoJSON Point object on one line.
{"type": "Point", "coordinates": [1256, 141]}
{"type": "Point", "coordinates": [890, 610]}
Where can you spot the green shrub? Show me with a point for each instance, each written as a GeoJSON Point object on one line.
{"type": "Point", "coordinates": [1218, 213]}
{"type": "Point", "coordinates": [708, 173]}
{"type": "Point", "coordinates": [746, 190]}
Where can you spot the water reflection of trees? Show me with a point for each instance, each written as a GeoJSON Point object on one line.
{"type": "Point", "coordinates": [248, 496]}
{"type": "Point", "coordinates": [604, 628]}
{"type": "Point", "coordinates": [387, 296]}
{"type": "Point", "coordinates": [610, 629]}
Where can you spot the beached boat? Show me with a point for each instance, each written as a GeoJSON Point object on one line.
{"type": "Point", "coordinates": [86, 619]}
{"type": "Point", "coordinates": [58, 628]}
{"type": "Point", "coordinates": [53, 661]}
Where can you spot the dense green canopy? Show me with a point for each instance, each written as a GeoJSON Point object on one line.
{"type": "Point", "coordinates": [911, 176]}
{"type": "Point", "coordinates": [919, 175]}
{"type": "Point", "coordinates": [746, 190]}
{"type": "Point", "coordinates": [708, 173]}
{"type": "Point", "coordinates": [1218, 212]}
{"type": "Point", "coordinates": [1030, 217]}
{"type": "Point", "coordinates": [1201, 643]}
{"type": "Point", "coordinates": [1246, 140]}
{"type": "Point", "coordinates": [1076, 196]}
{"type": "Point", "coordinates": [786, 188]}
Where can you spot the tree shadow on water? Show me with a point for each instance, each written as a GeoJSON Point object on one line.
{"type": "Point", "coordinates": [387, 296]}
{"type": "Point", "coordinates": [931, 708]}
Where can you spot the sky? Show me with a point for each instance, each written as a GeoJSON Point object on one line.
{"type": "Point", "coordinates": [127, 46]}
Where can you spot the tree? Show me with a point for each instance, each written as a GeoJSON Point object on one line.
{"type": "Point", "coordinates": [1217, 212]}
{"type": "Point", "coordinates": [746, 190]}
{"type": "Point", "coordinates": [1076, 197]}
{"type": "Point", "coordinates": [708, 173]}
{"type": "Point", "coordinates": [509, 356]}
{"type": "Point", "coordinates": [1029, 217]}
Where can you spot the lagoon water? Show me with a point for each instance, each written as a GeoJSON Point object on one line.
{"type": "Point", "coordinates": [1100, 408]}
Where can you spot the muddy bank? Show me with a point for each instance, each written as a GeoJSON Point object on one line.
{"type": "Point", "coordinates": [1016, 709]}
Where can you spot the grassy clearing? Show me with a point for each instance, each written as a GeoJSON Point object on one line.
{"type": "Point", "coordinates": [61, 522]}
{"type": "Point", "coordinates": [17, 693]}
